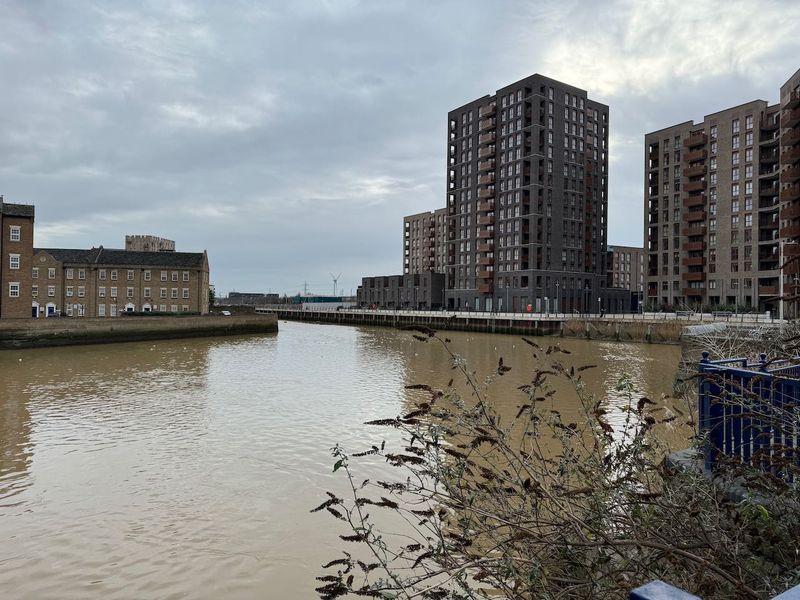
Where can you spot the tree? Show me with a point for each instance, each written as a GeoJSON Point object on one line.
{"type": "Point", "coordinates": [211, 295]}
{"type": "Point", "coordinates": [540, 507]}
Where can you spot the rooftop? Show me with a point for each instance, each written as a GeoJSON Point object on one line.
{"type": "Point", "coordinates": [114, 257]}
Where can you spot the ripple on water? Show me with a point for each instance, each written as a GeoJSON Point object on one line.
{"type": "Point", "coordinates": [187, 468]}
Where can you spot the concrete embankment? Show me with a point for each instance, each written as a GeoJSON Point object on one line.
{"type": "Point", "coordinates": [605, 328]}
{"type": "Point", "coordinates": [33, 333]}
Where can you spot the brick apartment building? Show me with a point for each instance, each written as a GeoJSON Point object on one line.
{"type": "Point", "coordinates": [148, 243]}
{"type": "Point", "coordinates": [527, 199]}
{"type": "Point", "coordinates": [625, 268]}
{"type": "Point", "coordinates": [722, 207]}
{"type": "Point", "coordinates": [16, 259]}
{"type": "Point", "coordinates": [424, 242]}
{"type": "Point", "coordinates": [99, 282]}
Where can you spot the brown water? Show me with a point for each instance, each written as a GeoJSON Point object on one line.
{"type": "Point", "coordinates": [186, 469]}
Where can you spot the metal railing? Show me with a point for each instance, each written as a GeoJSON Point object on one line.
{"type": "Point", "coordinates": [748, 413]}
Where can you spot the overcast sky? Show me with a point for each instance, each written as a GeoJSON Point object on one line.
{"type": "Point", "coordinates": [290, 138]}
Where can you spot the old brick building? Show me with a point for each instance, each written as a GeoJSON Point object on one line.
{"type": "Point", "coordinates": [16, 250]}
{"type": "Point", "coordinates": [99, 282]}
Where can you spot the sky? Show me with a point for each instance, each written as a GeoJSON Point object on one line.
{"type": "Point", "coordinates": [289, 138]}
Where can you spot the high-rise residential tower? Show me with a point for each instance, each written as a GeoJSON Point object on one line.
{"type": "Point", "coordinates": [722, 206]}
{"type": "Point", "coordinates": [424, 236]}
{"type": "Point", "coordinates": [527, 200]}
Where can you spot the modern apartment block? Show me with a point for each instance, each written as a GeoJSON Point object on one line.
{"type": "Point", "coordinates": [626, 268]}
{"type": "Point", "coordinates": [422, 291]}
{"type": "Point", "coordinates": [424, 247]}
{"type": "Point", "coordinates": [148, 243]}
{"type": "Point", "coordinates": [722, 206]}
{"type": "Point", "coordinates": [527, 199]}
{"type": "Point", "coordinates": [16, 258]}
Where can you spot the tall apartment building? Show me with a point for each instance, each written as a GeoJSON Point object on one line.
{"type": "Point", "coordinates": [16, 258]}
{"type": "Point", "coordinates": [424, 237]}
{"type": "Point", "coordinates": [527, 198]}
{"type": "Point", "coordinates": [722, 205]}
{"type": "Point", "coordinates": [148, 243]}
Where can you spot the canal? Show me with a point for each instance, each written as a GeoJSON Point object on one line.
{"type": "Point", "coordinates": [186, 469]}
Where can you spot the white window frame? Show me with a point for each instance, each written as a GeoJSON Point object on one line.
{"type": "Point", "coordinates": [13, 289]}
{"type": "Point", "coordinates": [51, 291]}
{"type": "Point", "coordinates": [101, 310]}
{"type": "Point", "coordinates": [185, 293]}
{"type": "Point", "coordinates": [69, 290]}
{"type": "Point", "coordinates": [70, 274]}
{"type": "Point", "coordinates": [13, 262]}
{"type": "Point", "coordinates": [15, 229]}
{"type": "Point", "coordinates": [186, 275]}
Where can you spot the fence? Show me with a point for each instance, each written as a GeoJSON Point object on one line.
{"type": "Point", "coordinates": [748, 411]}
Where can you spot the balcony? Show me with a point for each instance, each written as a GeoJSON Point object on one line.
{"type": "Point", "coordinates": [486, 124]}
{"type": "Point", "coordinates": [791, 118]}
{"type": "Point", "coordinates": [486, 179]}
{"type": "Point", "coordinates": [486, 152]}
{"type": "Point", "coordinates": [486, 165]}
{"type": "Point", "coordinates": [791, 137]}
{"type": "Point", "coordinates": [791, 211]}
{"type": "Point", "coordinates": [769, 123]}
{"type": "Point", "coordinates": [694, 276]}
{"type": "Point", "coordinates": [487, 138]}
{"type": "Point", "coordinates": [485, 206]}
{"type": "Point", "coordinates": [769, 156]}
{"type": "Point", "coordinates": [487, 246]}
{"type": "Point", "coordinates": [768, 190]}
{"type": "Point", "coordinates": [694, 246]}
{"type": "Point", "coordinates": [769, 172]}
{"type": "Point", "coordinates": [485, 261]}
{"type": "Point", "coordinates": [485, 234]}
{"type": "Point", "coordinates": [694, 261]}
{"type": "Point", "coordinates": [769, 140]}
{"type": "Point", "coordinates": [794, 101]}
{"type": "Point", "coordinates": [485, 274]}
{"type": "Point", "coordinates": [487, 110]}
{"type": "Point", "coordinates": [695, 215]}
{"type": "Point", "coordinates": [696, 139]}
{"type": "Point", "coordinates": [790, 175]}
{"type": "Point", "coordinates": [698, 200]}
{"type": "Point", "coordinates": [695, 171]}
{"type": "Point", "coordinates": [790, 156]}
{"type": "Point", "coordinates": [486, 220]}
{"type": "Point", "coordinates": [695, 155]}
{"type": "Point", "coordinates": [768, 290]}
{"type": "Point", "coordinates": [486, 288]}
{"type": "Point", "coordinates": [693, 231]}
{"type": "Point", "coordinates": [693, 291]}
{"type": "Point", "coordinates": [790, 231]}
{"type": "Point", "coordinates": [695, 186]}
{"type": "Point", "coordinates": [790, 194]}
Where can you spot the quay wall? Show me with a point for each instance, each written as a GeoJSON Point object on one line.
{"type": "Point", "coordinates": [603, 328]}
{"type": "Point", "coordinates": [34, 333]}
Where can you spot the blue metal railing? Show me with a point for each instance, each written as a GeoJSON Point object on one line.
{"type": "Point", "coordinates": [658, 590]}
{"type": "Point", "coordinates": [748, 413]}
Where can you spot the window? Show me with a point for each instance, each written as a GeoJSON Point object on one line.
{"type": "Point", "coordinates": [129, 292]}
{"type": "Point", "coordinates": [162, 308]}
{"type": "Point", "coordinates": [15, 233]}
{"type": "Point", "coordinates": [163, 275]}
{"type": "Point", "coordinates": [163, 293]}
{"type": "Point", "coordinates": [34, 290]}
{"type": "Point", "coordinates": [113, 309]}
{"type": "Point", "coordinates": [69, 291]}
{"type": "Point", "coordinates": [748, 122]}
{"type": "Point", "coordinates": [51, 291]}
{"type": "Point", "coordinates": [185, 308]}
{"type": "Point", "coordinates": [147, 275]}
{"type": "Point", "coordinates": [174, 276]}
{"type": "Point", "coordinates": [174, 293]}
{"type": "Point", "coordinates": [51, 273]}
{"type": "Point", "coordinates": [113, 275]}
{"type": "Point", "coordinates": [70, 274]}
{"type": "Point", "coordinates": [81, 273]}
{"type": "Point", "coordinates": [101, 310]}
{"type": "Point", "coordinates": [101, 291]}
{"type": "Point", "coordinates": [81, 291]}
{"type": "Point", "coordinates": [147, 292]}
{"type": "Point", "coordinates": [13, 261]}
{"type": "Point", "coordinates": [102, 274]}
{"type": "Point", "coordinates": [748, 220]}
{"type": "Point", "coordinates": [35, 273]}
{"type": "Point", "coordinates": [113, 291]}
{"type": "Point", "coordinates": [713, 132]}
{"type": "Point", "coordinates": [130, 275]}
{"type": "Point", "coordinates": [735, 126]}
{"type": "Point", "coordinates": [186, 273]}
{"type": "Point", "coordinates": [13, 290]}
{"type": "Point", "coordinates": [185, 293]}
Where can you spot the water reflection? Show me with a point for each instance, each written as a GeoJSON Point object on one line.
{"type": "Point", "coordinates": [187, 468]}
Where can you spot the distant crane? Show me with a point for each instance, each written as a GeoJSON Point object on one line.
{"type": "Point", "coordinates": [335, 281]}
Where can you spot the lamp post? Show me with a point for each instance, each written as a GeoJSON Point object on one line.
{"type": "Point", "coordinates": [599, 300]}
{"type": "Point", "coordinates": [558, 298]}
{"type": "Point", "coordinates": [546, 305]}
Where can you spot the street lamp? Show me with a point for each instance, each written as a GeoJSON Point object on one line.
{"type": "Point", "coordinates": [558, 298]}
{"type": "Point", "coordinates": [598, 305]}
{"type": "Point", "coordinates": [546, 305]}
{"type": "Point", "coordinates": [641, 299]}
